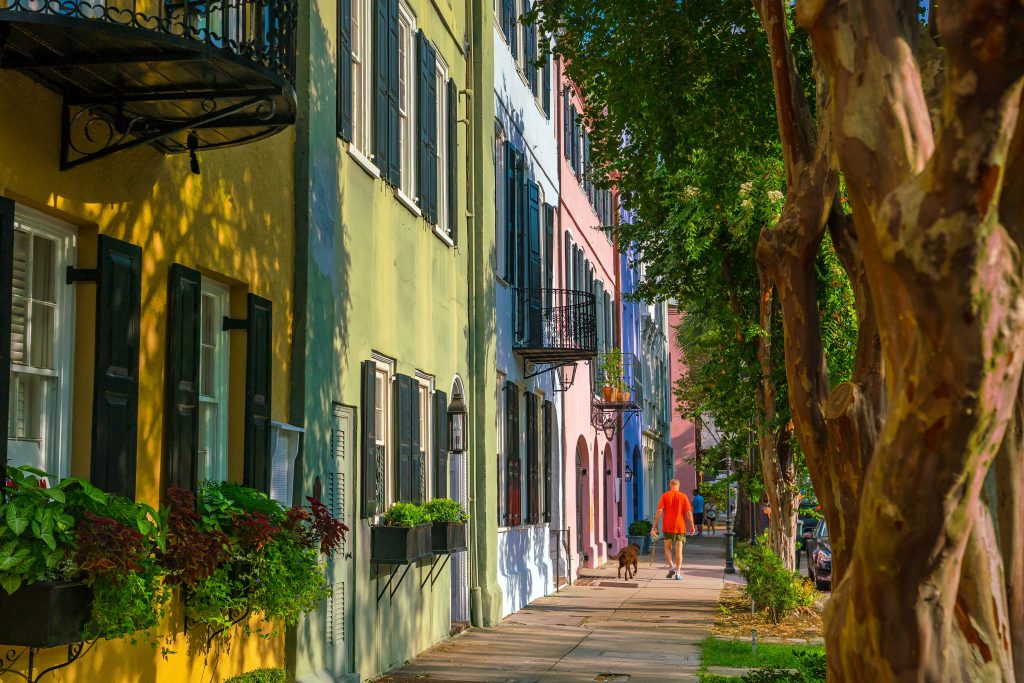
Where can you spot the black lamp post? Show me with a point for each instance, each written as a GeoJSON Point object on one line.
{"type": "Point", "coordinates": [457, 412]}
{"type": "Point", "coordinates": [730, 540]}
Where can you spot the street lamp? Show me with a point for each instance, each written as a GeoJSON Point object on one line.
{"type": "Point", "coordinates": [457, 412]}
{"type": "Point", "coordinates": [730, 568]}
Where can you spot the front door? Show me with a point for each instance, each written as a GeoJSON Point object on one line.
{"type": "Point", "coordinates": [340, 636]}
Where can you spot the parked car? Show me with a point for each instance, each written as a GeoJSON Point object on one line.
{"type": "Point", "coordinates": [819, 556]}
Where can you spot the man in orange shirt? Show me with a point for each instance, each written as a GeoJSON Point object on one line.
{"type": "Point", "coordinates": [678, 517]}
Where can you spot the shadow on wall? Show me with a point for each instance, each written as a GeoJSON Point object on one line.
{"type": "Point", "coordinates": [524, 565]}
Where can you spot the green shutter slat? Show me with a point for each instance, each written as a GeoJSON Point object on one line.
{"type": "Point", "coordinates": [432, 132]}
{"type": "Point", "coordinates": [425, 72]}
{"type": "Point", "coordinates": [382, 84]}
{"type": "Point", "coordinates": [416, 449]}
{"type": "Point", "coordinates": [6, 275]}
{"type": "Point", "coordinates": [532, 469]}
{"type": "Point", "coordinates": [510, 213]}
{"type": "Point", "coordinates": [453, 161]}
{"type": "Point", "coordinates": [547, 450]}
{"type": "Point", "coordinates": [345, 69]}
{"type": "Point", "coordinates": [181, 379]}
{"type": "Point", "coordinates": [115, 410]}
{"type": "Point", "coordinates": [440, 482]}
{"type": "Point", "coordinates": [258, 459]}
{"type": "Point", "coordinates": [372, 471]}
{"type": "Point", "coordinates": [393, 170]}
{"type": "Point", "coordinates": [513, 464]}
{"type": "Point", "coordinates": [534, 275]}
{"type": "Point", "coordinates": [406, 402]}
{"type": "Point", "coordinates": [546, 84]}
{"type": "Point", "coordinates": [549, 246]}
{"type": "Point", "coordinates": [530, 51]}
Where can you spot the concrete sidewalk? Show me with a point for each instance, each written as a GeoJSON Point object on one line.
{"type": "Point", "coordinates": [646, 630]}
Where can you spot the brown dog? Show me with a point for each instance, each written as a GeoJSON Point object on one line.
{"type": "Point", "coordinates": [627, 558]}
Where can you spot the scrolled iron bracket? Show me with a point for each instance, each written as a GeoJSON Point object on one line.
{"type": "Point", "coordinates": [75, 651]}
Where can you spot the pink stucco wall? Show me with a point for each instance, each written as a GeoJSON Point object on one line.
{"type": "Point", "coordinates": [599, 458]}
{"type": "Point", "coordinates": [684, 433]}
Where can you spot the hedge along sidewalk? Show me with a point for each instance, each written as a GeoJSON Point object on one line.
{"type": "Point", "coordinates": [648, 627]}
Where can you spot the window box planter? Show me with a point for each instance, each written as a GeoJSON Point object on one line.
{"type": "Point", "coordinates": [400, 544]}
{"type": "Point", "coordinates": [449, 537]}
{"type": "Point", "coordinates": [45, 614]}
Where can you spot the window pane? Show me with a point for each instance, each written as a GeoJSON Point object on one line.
{"type": "Point", "coordinates": [43, 269]}
{"type": "Point", "coordinates": [209, 433]}
{"type": "Point", "coordinates": [20, 292]}
{"type": "Point", "coordinates": [42, 335]}
{"type": "Point", "coordinates": [381, 397]}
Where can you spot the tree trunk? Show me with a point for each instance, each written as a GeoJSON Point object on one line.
{"type": "Point", "coordinates": [779, 471]}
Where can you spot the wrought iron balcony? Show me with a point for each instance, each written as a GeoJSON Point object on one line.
{"type": "Point", "coordinates": [181, 75]}
{"type": "Point", "coordinates": [618, 391]}
{"type": "Point", "coordinates": [554, 327]}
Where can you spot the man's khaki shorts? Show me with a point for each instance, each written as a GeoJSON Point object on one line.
{"type": "Point", "coordinates": [674, 536]}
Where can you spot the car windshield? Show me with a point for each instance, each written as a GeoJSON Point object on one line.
{"type": "Point", "coordinates": [823, 530]}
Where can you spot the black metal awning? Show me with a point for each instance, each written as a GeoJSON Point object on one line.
{"type": "Point", "coordinates": [186, 76]}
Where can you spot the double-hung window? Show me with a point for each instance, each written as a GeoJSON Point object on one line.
{"type": "Point", "coordinates": [42, 328]}
{"type": "Point", "coordinates": [382, 426]}
{"type": "Point", "coordinates": [362, 46]}
{"type": "Point", "coordinates": [407, 100]}
{"type": "Point", "coordinates": [214, 346]}
{"type": "Point", "coordinates": [441, 107]}
{"type": "Point", "coordinates": [426, 443]}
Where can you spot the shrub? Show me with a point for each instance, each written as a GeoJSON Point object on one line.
{"type": "Point", "coordinates": [811, 669]}
{"type": "Point", "coordinates": [405, 514]}
{"type": "Point", "coordinates": [770, 585]}
{"type": "Point", "coordinates": [259, 676]}
{"type": "Point", "coordinates": [445, 510]}
{"type": "Point", "coordinates": [640, 527]}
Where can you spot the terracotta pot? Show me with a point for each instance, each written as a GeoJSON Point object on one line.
{"type": "Point", "coordinates": [625, 396]}
{"type": "Point", "coordinates": [606, 391]}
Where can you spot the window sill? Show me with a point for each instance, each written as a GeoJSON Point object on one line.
{"type": "Point", "coordinates": [443, 236]}
{"type": "Point", "coordinates": [363, 161]}
{"type": "Point", "coordinates": [408, 203]}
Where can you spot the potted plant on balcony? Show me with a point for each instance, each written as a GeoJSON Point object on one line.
{"type": "Point", "coordinates": [611, 375]}
{"type": "Point", "coordinates": [76, 563]}
{"type": "Point", "coordinates": [448, 525]}
{"type": "Point", "coordinates": [404, 538]}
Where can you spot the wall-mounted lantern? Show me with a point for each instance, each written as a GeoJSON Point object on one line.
{"type": "Point", "coordinates": [629, 473]}
{"type": "Point", "coordinates": [457, 412]}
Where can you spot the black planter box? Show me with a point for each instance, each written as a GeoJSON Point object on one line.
{"type": "Point", "coordinates": [45, 614]}
{"type": "Point", "coordinates": [449, 537]}
{"type": "Point", "coordinates": [399, 544]}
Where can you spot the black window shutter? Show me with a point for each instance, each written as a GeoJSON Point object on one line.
{"type": "Point", "coordinates": [345, 69]}
{"type": "Point", "coordinates": [534, 276]}
{"type": "Point", "coordinates": [382, 85]}
{"type": "Point", "coordinates": [394, 166]}
{"type": "Point", "coordinates": [258, 462]}
{"type": "Point", "coordinates": [507, 19]}
{"type": "Point", "coordinates": [532, 470]}
{"type": "Point", "coordinates": [546, 86]}
{"type": "Point", "coordinates": [566, 127]}
{"type": "Point", "coordinates": [115, 409]}
{"type": "Point", "coordinates": [6, 276]}
{"type": "Point", "coordinates": [372, 474]}
{"type": "Point", "coordinates": [181, 378]}
{"type": "Point", "coordinates": [547, 450]}
{"type": "Point", "coordinates": [419, 479]}
{"type": "Point", "coordinates": [440, 445]}
{"type": "Point", "coordinates": [575, 140]}
{"type": "Point", "coordinates": [406, 421]}
{"type": "Point", "coordinates": [427, 113]}
{"type": "Point", "coordinates": [549, 246]}
{"type": "Point", "coordinates": [513, 27]}
{"type": "Point", "coordinates": [530, 51]}
{"type": "Point", "coordinates": [511, 211]}
{"type": "Point", "coordinates": [513, 464]}
{"type": "Point", "coordinates": [453, 161]}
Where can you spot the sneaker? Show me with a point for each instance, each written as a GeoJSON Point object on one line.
{"type": "Point", "coordinates": [679, 577]}
{"type": "Point", "coordinates": [671, 573]}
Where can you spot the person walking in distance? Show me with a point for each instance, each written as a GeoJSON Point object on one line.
{"type": "Point", "coordinates": [677, 512]}
{"type": "Point", "coordinates": [698, 511]}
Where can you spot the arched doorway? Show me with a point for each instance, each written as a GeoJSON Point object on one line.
{"type": "Point", "coordinates": [610, 521]}
{"type": "Point", "coordinates": [581, 475]}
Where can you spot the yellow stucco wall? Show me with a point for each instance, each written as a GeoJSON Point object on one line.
{"type": "Point", "coordinates": [235, 223]}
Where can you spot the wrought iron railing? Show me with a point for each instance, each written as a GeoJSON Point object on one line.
{"type": "Point", "coordinates": [261, 31]}
{"type": "Point", "coordinates": [619, 379]}
{"type": "Point", "coordinates": [555, 319]}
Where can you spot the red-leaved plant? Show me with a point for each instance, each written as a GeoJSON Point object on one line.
{"type": "Point", "coordinates": [104, 545]}
{"type": "Point", "coordinates": [192, 553]}
{"type": "Point", "coordinates": [325, 529]}
{"type": "Point", "coordinates": [254, 530]}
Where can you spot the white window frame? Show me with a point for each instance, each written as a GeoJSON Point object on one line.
{"type": "Point", "coordinates": [502, 455]}
{"type": "Point", "coordinates": [385, 379]}
{"type": "Point", "coordinates": [362, 83]}
{"type": "Point", "coordinates": [56, 425]}
{"type": "Point", "coordinates": [215, 466]}
{"type": "Point", "coordinates": [424, 394]}
{"type": "Point", "coordinates": [443, 226]}
{"type": "Point", "coordinates": [291, 433]}
{"type": "Point", "coordinates": [499, 200]}
{"type": "Point", "coordinates": [407, 115]}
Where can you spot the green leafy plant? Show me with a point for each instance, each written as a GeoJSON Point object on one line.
{"type": "Point", "coordinates": [611, 369]}
{"type": "Point", "coordinates": [446, 510]}
{"type": "Point", "coordinates": [405, 514]}
{"type": "Point", "coordinates": [640, 527]}
{"type": "Point", "coordinates": [771, 586]}
{"type": "Point", "coordinates": [259, 676]}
